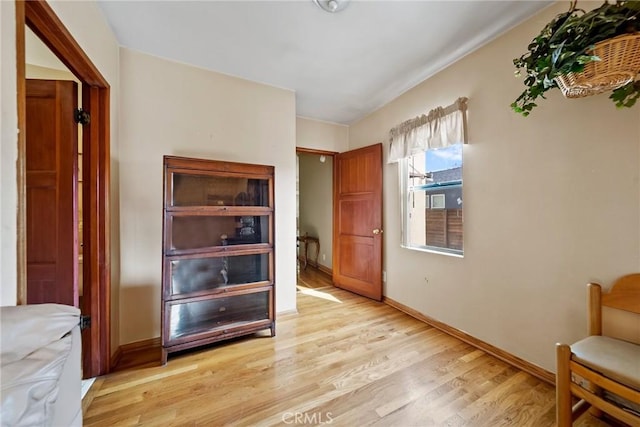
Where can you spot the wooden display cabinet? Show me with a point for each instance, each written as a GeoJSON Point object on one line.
{"type": "Point", "coordinates": [218, 252]}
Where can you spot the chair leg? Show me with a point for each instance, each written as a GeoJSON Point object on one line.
{"type": "Point", "coordinates": [563, 386]}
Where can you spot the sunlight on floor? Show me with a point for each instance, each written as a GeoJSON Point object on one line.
{"type": "Point", "coordinates": [318, 294]}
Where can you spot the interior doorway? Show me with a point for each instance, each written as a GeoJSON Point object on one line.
{"type": "Point", "coordinates": [355, 202]}
{"type": "Point", "coordinates": [41, 19]}
{"type": "Point", "coordinates": [314, 211]}
{"type": "Point", "coordinates": [54, 189]}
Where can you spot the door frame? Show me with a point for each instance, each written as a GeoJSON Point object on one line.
{"type": "Point", "coordinates": [42, 20]}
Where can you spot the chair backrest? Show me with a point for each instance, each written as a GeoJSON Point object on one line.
{"type": "Point", "coordinates": [617, 312]}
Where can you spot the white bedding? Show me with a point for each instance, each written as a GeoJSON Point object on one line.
{"type": "Point", "coordinates": [35, 344]}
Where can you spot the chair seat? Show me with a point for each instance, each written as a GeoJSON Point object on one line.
{"type": "Point", "coordinates": [616, 359]}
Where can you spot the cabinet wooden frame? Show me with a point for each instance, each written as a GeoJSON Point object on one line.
{"type": "Point", "coordinates": [211, 310]}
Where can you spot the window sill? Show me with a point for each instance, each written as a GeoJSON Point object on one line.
{"type": "Point", "coordinates": [432, 250]}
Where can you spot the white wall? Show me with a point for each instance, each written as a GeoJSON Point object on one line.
{"type": "Point", "coordinates": [319, 135]}
{"type": "Point", "coordinates": [37, 53]}
{"type": "Point", "coordinates": [169, 108]}
{"type": "Point", "coordinates": [44, 73]}
{"type": "Point", "coordinates": [552, 201]}
{"type": "Point", "coordinates": [316, 205]}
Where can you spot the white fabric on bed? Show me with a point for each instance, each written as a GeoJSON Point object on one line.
{"type": "Point", "coordinates": [36, 343]}
{"type": "Point", "coordinates": [26, 328]}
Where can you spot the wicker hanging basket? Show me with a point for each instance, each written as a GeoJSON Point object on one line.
{"type": "Point", "coordinates": [619, 65]}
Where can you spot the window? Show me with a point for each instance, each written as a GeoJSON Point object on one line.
{"type": "Point", "coordinates": [428, 150]}
{"type": "Point", "coordinates": [432, 200]}
{"type": "Point", "coordinates": [437, 201]}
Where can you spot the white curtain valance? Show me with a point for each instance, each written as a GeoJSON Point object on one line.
{"type": "Point", "coordinates": [442, 127]}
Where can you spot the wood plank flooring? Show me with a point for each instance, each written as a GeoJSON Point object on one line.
{"type": "Point", "coordinates": [342, 360]}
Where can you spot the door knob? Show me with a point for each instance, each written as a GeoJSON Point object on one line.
{"type": "Point", "coordinates": [377, 231]}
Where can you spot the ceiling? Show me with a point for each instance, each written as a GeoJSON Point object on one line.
{"type": "Point", "coordinates": [342, 66]}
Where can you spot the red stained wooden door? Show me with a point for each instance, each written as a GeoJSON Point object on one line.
{"type": "Point", "coordinates": [357, 221]}
{"type": "Point", "coordinates": [52, 183]}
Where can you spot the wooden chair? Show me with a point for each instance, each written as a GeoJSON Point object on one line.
{"type": "Point", "coordinates": [603, 370]}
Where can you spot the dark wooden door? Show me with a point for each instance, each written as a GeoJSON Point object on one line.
{"type": "Point", "coordinates": [52, 177]}
{"type": "Point", "coordinates": [357, 221]}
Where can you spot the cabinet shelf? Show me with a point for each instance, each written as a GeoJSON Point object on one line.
{"type": "Point", "coordinates": [217, 270]}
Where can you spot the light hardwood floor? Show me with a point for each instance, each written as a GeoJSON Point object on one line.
{"type": "Point", "coordinates": [342, 360]}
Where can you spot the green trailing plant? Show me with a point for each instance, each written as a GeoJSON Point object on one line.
{"type": "Point", "coordinates": [564, 45]}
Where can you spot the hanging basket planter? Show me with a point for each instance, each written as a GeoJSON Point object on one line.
{"type": "Point", "coordinates": [619, 64]}
{"type": "Point", "coordinates": [584, 53]}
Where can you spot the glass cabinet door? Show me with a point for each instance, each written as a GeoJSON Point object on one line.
{"type": "Point", "coordinates": [207, 190]}
{"type": "Point", "coordinates": [211, 315]}
{"type": "Point", "coordinates": [198, 231]}
{"type": "Point", "coordinates": [209, 273]}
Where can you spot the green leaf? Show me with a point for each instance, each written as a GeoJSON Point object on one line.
{"type": "Point", "coordinates": [627, 95]}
